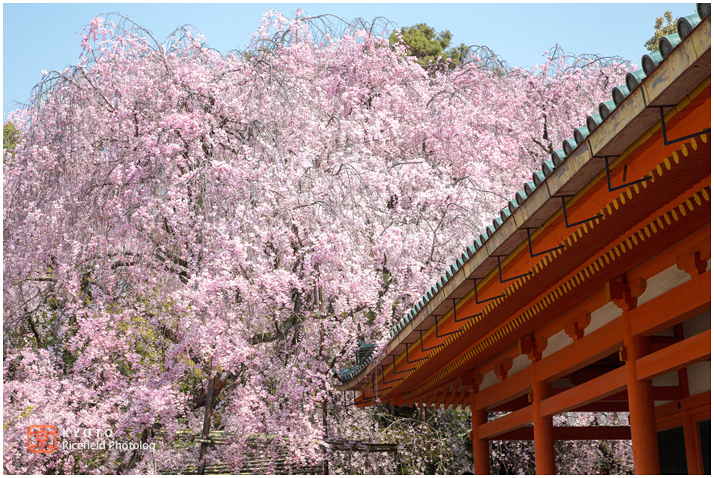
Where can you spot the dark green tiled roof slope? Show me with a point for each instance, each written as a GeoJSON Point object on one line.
{"type": "Point", "coordinates": [364, 357]}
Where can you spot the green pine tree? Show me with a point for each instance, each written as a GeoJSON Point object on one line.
{"type": "Point", "coordinates": [428, 46]}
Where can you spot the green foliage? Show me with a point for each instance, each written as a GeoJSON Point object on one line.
{"type": "Point", "coordinates": [10, 138]}
{"type": "Point", "coordinates": [430, 47]}
{"type": "Point", "coordinates": [661, 29]}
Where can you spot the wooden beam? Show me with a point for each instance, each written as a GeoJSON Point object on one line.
{"type": "Point", "coordinates": [604, 407]}
{"type": "Point", "coordinates": [664, 392]}
{"type": "Point", "coordinates": [571, 433]}
{"type": "Point", "coordinates": [689, 403]}
{"type": "Point", "coordinates": [617, 402]}
{"type": "Point", "coordinates": [676, 356]}
{"type": "Point", "coordinates": [591, 348]}
{"type": "Point", "coordinates": [674, 306]}
{"type": "Point", "coordinates": [516, 404]}
{"type": "Point", "coordinates": [513, 387]}
{"type": "Point", "coordinates": [513, 420]}
{"type": "Point", "coordinates": [591, 391]}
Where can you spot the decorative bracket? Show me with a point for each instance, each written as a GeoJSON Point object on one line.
{"type": "Point", "coordinates": [485, 300]}
{"type": "Point", "coordinates": [384, 379]}
{"type": "Point", "coordinates": [500, 276]}
{"type": "Point", "coordinates": [532, 346]}
{"type": "Point", "coordinates": [501, 369]}
{"type": "Point", "coordinates": [465, 318]}
{"type": "Point", "coordinates": [394, 363]}
{"type": "Point", "coordinates": [575, 327]}
{"type": "Point", "coordinates": [436, 329]}
{"type": "Point", "coordinates": [664, 128]}
{"type": "Point", "coordinates": [421, 337]}
{"type": "Point", "coordinates": [609, 181]}
{"type": "Point", "coordinates": [472, 380]}
{"type": "Point", "coordinates": [565, 215]}
{"type": "Point", "coordinates": [693, 261]}
{"type": "Point", "coordinates": [625, 295]}
{"type": "Point", "coordinates": [414, 361]}
{"type": "Point", "coordinates": [373, 387]}
{"type": "Point", "coordinates": [530, 246]}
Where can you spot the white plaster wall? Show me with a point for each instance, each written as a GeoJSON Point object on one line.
{"type": "Point", "coordinates": [603, 316]}
{"type": "Point", "coordinates": [663, 282]}
{"type": "Point", "coordinates": [700, 377]}
{"type": "Point", "coordinates": [557, 342]}
{"type": "Point", "coordinates": [671, 379]}
{"type": "Point", "coordinates": [519, 363]}
{"type": "Point", "coordinates": [488, 380]}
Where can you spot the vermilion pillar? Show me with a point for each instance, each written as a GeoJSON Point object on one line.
{"type": "Point", "coordinates": [542, 428]}
{"type": "Point", "coordinates": [482, 459]}
{"type": "Point", "coordinates": [640, 397]}
{"type": "Point", "coordinates": [691, 444]}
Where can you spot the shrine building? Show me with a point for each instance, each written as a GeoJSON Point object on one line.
{"type": "Point", "coordinates": [591, 291]}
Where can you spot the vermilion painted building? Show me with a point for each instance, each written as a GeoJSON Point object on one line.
{"type": "Point", "coordinates": [592, 289]}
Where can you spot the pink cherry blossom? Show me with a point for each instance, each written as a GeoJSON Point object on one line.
{"type": "Point", "coordinates": [174, 214]}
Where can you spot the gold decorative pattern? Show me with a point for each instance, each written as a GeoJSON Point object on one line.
{"type": "Point", "coordinates": [568, 285]}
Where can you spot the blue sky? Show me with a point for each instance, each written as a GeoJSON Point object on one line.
{"type": "Point", "coordinates": [43, 36]}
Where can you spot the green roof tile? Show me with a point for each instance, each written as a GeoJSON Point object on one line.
{"type": "Point", "coordinates": [592, 122]}
{"type": "Point", "coordinates": [538, 178]}
{"type": "Point", "coordinates": [529, 187]}
{"type": "Point", "coordinates": [704, 10]}
{"type": "Point", "coordinates": [633, 79]}
{"type": "Point", "coordinates": [557, 156]}
{"type": "Point", "coordinates": [650, 62]}
{"type": "Point", "coordinates": [619, 93]}
{"type": "Point", "coordinates": [685, 25]}
{"type": "Point", "coordinates": [569, 146]}
{"type": "Point", "coordinates": [606, 108]}
{"type": "Point", "coordinates": [496, 223]}
{"type": "Point", "coordinates": [580, 134]}
{"type": "Point", "coordinates": [668, 43]}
